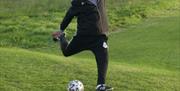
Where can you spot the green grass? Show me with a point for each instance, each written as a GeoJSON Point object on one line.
{"type": "Point", "coordinates": [143, 44]}
{"type": "Point", "coordinates": [32, 8]}
{"type": "Point", "coordinates": [155, 42]}
{"type": "Point", "coordinates": [23, 70]}
{"type": "Point", "coordinates": [142, 58]}
{"type": "Point", "coordinates": [46, 14]}
{"type": "Point", "coordinates": [29, 28]}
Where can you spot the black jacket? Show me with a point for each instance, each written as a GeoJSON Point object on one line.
{"type": "Point", "coordinates": [88, 18]}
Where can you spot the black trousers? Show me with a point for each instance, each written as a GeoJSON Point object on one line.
{"type": "Point", "coordinates": [96, 44]}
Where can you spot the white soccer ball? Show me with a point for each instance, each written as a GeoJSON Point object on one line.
{"type": "Point", "coordinates": [75, 85]}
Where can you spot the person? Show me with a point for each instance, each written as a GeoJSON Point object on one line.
{"type": "Point", "coordinates": [92, 29]}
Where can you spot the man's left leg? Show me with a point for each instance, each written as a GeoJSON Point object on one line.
{"type": "Point", "coordinates": [101, 54]}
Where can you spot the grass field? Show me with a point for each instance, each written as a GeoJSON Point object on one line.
{"type": "Point", "coordinates": [144, 57]}
{"type": "Point", "coordinates": [143, 42]}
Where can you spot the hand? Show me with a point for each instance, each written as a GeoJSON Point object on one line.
{"type": "Point", "coordinates": [57, 35]}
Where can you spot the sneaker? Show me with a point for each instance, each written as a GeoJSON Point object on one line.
{"type": "Point", "coordinates": [103, 87]}
{"type": "Point", "coordinates": [56, 35]}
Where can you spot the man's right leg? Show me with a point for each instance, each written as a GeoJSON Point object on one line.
{"type": "Point", "coordinates": [71, 48]}
{"type": "Point", "coordinates": [63, 44]}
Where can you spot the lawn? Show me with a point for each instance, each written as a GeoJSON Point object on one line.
{"type": "Point", "coordinates": [143, 57]}
{"type": "Point", "coordinates": [144, 50]}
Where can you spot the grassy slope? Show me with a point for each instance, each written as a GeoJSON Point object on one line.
{"type": "Point", "coordinates": [155, 43]}
{"type": "Point", "coordinates": [142, 58]}
{"type": "Point", "coordinates": [139, 62]}
{"type": "Point", "coordinates": [23, 70]}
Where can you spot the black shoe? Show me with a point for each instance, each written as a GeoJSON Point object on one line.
{"type": "Point", "coordinates": [103, 87]}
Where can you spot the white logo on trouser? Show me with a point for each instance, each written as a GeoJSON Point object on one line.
{"type": "Point", "coordinates": [105, 45]}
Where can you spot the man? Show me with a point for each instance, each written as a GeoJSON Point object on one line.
{"type": "Point", "coordinates": [91, 35]}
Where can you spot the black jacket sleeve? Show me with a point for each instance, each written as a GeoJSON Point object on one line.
{"type": "Point", "coordinates": [73, 11]}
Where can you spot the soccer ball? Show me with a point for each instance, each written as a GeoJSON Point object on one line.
{"type": "Point", "coordinates": [75, 85]}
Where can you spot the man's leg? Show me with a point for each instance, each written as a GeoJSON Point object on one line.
{"type": "Point", "coordinates": [63, 44]}
{"type": "Point", "coordinates": [100, 50]}
{"type": "Point", "coordinates": [101, 55]}
{"type": "Point", "coordinates": [71, 48]}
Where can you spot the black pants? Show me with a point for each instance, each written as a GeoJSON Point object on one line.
{"type": "Point", "coordinates": [96, 44]}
